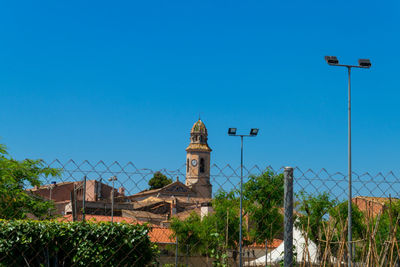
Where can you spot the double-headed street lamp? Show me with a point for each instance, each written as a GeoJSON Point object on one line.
{"type": "Point", "coordinates": [114, 178]}
{"type": "Point", "coordinates": [253, 133]}
{"type": "Point", "coordinates": [364, 64]}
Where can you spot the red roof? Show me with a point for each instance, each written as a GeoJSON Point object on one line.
{"type": "Point", "coordinates": [100, 218]}
{"type": "Point", "coordinates": [157, 234]}
{"type": "Point", "coordinates": [275, 243]}
{"type": "Point", "coordinates": [161, 235]}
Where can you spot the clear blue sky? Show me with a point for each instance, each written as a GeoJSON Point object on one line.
{"type": "Point", "coordinates": [126, 80]}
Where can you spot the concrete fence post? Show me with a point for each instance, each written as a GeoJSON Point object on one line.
{"type": "Point", "coordinates": [288, 218]}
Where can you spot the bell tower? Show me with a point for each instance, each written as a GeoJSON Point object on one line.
{"type": "Point", "coordinates": [198, 161]}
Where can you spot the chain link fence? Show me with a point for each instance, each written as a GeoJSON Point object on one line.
{"type": "Point", "coordinates": [186, 228]}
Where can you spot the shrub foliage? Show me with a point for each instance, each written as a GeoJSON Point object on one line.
{"type": "Point", "coordinates": [53, 243]}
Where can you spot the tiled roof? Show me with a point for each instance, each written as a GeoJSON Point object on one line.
{"type": "Point", "coordinates": [46, 186]}
{"type": "Point", "coordinates": [201, 147]}
{"type": "Point", "coordinates": [100, 218]}
{"type": "Point", "coordinates": [161, 235]}
{"type": "Point", "coordinates": [142, 214]}
{"type": "Point", "coordinates": [199, 127]}
{"type": "Point", "coordinates": [275, 243]}
{"type": "Point", "coordinates": [185, 214]}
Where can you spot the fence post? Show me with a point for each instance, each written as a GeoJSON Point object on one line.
{"type": "Point", "coordinates": [266, 253]}
{"type": "Point", "coordinates": [288, 218]}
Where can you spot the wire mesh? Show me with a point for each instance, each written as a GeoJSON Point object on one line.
{"type": "Point", "coordinates": [187, 228]}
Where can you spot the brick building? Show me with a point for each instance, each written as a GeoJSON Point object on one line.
{"type": "Point", "coordinates": [372, 206]}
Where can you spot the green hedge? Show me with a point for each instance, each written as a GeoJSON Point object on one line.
{"type": "Point", "coordinates": [53, 243]}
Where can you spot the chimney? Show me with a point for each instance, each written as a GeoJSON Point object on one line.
{"type": "Point", "coordinates": [205, 209]}
{"type": "Point", "coordinates": [121, 191]}
{"type": "Point", "coordinates": [173, 206]}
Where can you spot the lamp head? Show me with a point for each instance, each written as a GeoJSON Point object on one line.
{"type": "Point", "coordinates": [253, 131]}
{"type": "Point", "coordinates": [365, 63]}
{"type": "Point", "coordinates": [331, 60]}
{"type": "Point", "coordinates": [232, 131]}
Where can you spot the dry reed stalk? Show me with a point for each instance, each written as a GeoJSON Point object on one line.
{"type": "Point", "coordinates": [328, 233]}
{"type": "Point", "coordinates": [370, 235]}
{"type": "Point", "coordinates": [394, 239]}
{"type": "Point", "coordinates": [342, 238]}
{"type": "Point", "coordinates": [342, 242]}
{"type": "Point", "coordinates": [365, 254]}
{"type": "Point", "coordinates": [373, 244]}
{"type": "Point", "coordinates": [306, 243]}
{"type": "Point", "coordinates": [305, 240]}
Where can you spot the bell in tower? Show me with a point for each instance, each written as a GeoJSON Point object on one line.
{"type": "Point", "coordinates": [198, 161]}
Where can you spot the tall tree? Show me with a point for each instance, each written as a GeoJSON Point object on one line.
{"type": "Point", "coordinates": [215, 234]}
{"type": "Point", "coordinates": [314, 217]}
{"type": "Point", "coordinates": [159, 180]}
{"type": "Point", "coordinates": [263, 196]}
{"type": "Point", "coordinates": [15, 177]}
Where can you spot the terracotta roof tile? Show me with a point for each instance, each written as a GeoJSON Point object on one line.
{"type": "Point", "coordinates": [161, 235]}
{"type": "Point", "coordinates": [275, 244]}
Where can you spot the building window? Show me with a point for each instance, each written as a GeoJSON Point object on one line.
{"type": "Point", "coordinates": [201, 165]}
{"type": "Point", "coordinates": [187, 166]}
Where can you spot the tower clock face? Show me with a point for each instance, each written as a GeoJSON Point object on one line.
{"type": "Point", "coordinates": [194, 162]}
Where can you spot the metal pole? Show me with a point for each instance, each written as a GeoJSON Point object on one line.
{"type": "Point", "coordinates": [266, 252]}
{"type": "Point", "coordinates": [349, 169]}
{"type": "Point", "coordinates": [241, 200]}
{"type": "Point", "coordinates": [176, 252]}
{"type": "Point", "coordinates": [288, 205]}
{"type": "Point", "coordinates": [84, 198]}
{"type": "Point", "coordinates": [112, 201]}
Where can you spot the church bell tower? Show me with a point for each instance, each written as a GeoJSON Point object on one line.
{"type": "Point", "coordinates": [198, 161]}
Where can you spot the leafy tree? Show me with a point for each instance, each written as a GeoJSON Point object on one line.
{"type": "Point", "coordinates": [159, 180]}
{"type": "Point", "coordinates": [263, 195]}
{"type": "Point", "coordinates": [388, 226]}
{"type": "Point", "coordinates": [190, 233]}
{"type": "Point", "coordinates": [339, 215]}
{"type": "Point", "coordinates": [314, 211]}
{"type": "Point", "coordinates": [215, 233]}
{"type": "Point", "coordinates": [15, 176]}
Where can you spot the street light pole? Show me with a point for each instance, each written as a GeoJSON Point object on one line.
{"type": "Point", "coordinates": [364, 64]}
{"type": "Point", "coordinates": [114, 178]}
{"type": "Point", "coordinates": [349, 208]}
{"type": "Point", "coordinates": [253, 133]}
{"type": "Point", "coordinates": [241, 202]}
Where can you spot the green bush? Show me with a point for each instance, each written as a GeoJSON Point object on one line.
{"type": "Point", "coordinates": [53, 243]}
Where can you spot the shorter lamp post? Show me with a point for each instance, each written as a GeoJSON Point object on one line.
{"type": "Point", "coordinates": [253, 133]}
{"type": "Point", "coordinates": [112, 179]}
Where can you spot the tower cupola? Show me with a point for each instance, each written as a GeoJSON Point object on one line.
{"type": "Point", "coordinates": [198, 137]}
